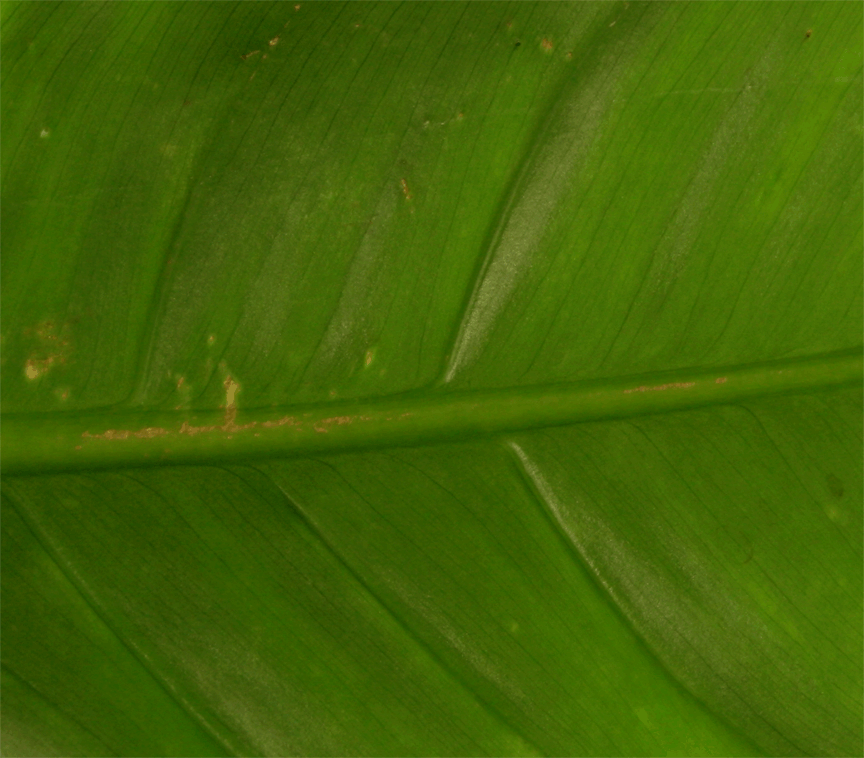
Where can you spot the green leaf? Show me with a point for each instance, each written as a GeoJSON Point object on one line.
{"type": "Point", "coordinates": [432, 378]}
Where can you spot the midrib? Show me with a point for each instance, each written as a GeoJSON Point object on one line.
{"type": "Point", "coordinates": [34, 443]}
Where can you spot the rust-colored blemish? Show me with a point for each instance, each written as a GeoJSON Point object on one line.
{"type": "Point", "coordinates": [661, 387]}
{"type": "Point", "coordinates": [322, 425]}
{"type": "Point", "coordinates": [720, 380]}
{"type": "Point", "coordinates": [285, 420]}
{"type": "Point", "coordinates": [249, 55]}
{"type": "Point", "coordinates": [405, 190]}
{"type": "Point", "coordinates": [274, 41]}
{"type": "Point", "coordinates": [546, 44]}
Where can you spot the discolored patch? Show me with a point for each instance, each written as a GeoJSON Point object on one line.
{"type": "Point", "coordinates": [52, 345]}
{"type": "Point", "coordinates": [835, 486]}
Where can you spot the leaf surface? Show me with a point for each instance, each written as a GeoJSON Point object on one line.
{"type": "Point", "coordinates": [435, 379]}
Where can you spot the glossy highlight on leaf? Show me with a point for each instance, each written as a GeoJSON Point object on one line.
{"type": "Point", "coordinates": [431, 378]}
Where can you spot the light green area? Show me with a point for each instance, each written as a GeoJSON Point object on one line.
{"type": "Point", "coordinates": [514, 352]}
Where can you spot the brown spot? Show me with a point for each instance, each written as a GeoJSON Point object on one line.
{"type": "Point", "coordinates": [661, 387]}
{"type": "Point", "coordinates": [546, 44]}
{"type": "Point", "coordinates": [249, 55]}
{"type": "Point", "coordinates": [808, 33]}
{"type": "Point", "coordinates": [720, 380]}
{"type": "Point", "coordinates": [274, 41]}
{"type": "Point", "coordinates": [405, 190]}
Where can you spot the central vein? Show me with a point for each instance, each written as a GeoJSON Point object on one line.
{"type": "Point", "coordinates": [38, 444]}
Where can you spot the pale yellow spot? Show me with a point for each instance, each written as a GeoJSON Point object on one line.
{"type": "Point", "coordinates": [32, 371]}
{"type": "Point", "coordinates": [370, 356]}
{"type": "Point", "coordinates": [211, 340]}
{"type": "Point", "coordinates": [231, 390]}
{"type": "Point", "coordinates": [45, 134]}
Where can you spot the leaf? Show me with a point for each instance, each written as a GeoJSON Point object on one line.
{"type": "Point", "coordinates": [435, 379]}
